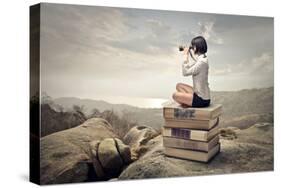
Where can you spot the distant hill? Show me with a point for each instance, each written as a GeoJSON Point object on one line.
{"type": "Point", "coordinates": [245, 102]}
{"type": "Point", "coordinates": [146, 116]}
{"type": "Point", "coordinates": [89, 105]}
{"type": "Point", "coordinates": [246, 107]}
{"type": "Point", "coordinates": [238, 106]}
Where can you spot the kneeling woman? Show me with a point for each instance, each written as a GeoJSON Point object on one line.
{"type": "Point", "coordinates": [199, 94]}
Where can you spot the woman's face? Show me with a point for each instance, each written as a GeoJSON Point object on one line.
{"type": "Point", "coordinates": [193, 49]}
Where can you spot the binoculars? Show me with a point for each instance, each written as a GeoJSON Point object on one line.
{"type": "Point", "coordinates": [181, 48]}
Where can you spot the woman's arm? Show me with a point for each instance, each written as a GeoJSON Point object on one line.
{"type": "Point", "coordinates": [193, 69]}
{"type": "Point", "coordinates": [188, 66]}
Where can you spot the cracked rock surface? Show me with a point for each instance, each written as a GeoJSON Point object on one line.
{"type": "Point", "coordinates": [70, 155]}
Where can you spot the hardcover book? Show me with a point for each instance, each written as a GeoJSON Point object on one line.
{"type": "Point", "coordinates": [174, 110]}
{"type": "Point", "coordinates": [199, 135]}
{"type": "Point", "coordinates": [191, 154]}
{"type": "Point", "coordinates": [192, 124]}
{"type": "Point", "coordinates": [190, 144]}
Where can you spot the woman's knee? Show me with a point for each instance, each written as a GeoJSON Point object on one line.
{"type": "Point", "coordinates": [184, 98]}
{"type": "Point", "coordinates": [175, 96]}
{"type": "Point", "coordinates": [178, 86]}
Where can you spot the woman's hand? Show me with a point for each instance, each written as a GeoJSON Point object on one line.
{"type": "Point", "coordinates": [191, 50]}
{"type": "Point", "coordinates": [185, 50]}
{"type": "Point", "coordinates": [186, 53]}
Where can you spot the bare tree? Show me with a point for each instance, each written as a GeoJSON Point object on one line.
{"type": "Point", "coordinates": [95, 113]}
{"type": "Point", "coordinates": [60, 108]}
{"type": "Point", "coordinates": [79, 109]}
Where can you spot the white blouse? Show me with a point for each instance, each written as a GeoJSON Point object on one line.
{"type": "Point", "coordinates": [199, 70]}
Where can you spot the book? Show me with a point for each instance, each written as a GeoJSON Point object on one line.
{"type": "Point", "coordinates": [191, 154]}
{"type": "Point", "coordinates": [192, 124]}
{"type": "Point", "coordinates": [190, 144]}
{"type": "Point", "coordinates": [189, 134]}
{"type": "Point", "coordinates": [173, 110]}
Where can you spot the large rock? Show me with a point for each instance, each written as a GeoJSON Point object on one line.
{"type": "Point", "coordinates": [94, 145]}
{"type": "Point", "coordinates": [109, 157]}
{"type": "Point", "coordinates": [124, 151]}
{"type": "Point", "coordinates": [66, 157]}
{"type": "Point", "coordinates": [137, 137]}
{"type": "Point", "coordinates": [250, 150]}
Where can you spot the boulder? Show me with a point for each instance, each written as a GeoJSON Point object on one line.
{"type": "Point", "coordinates": [137, 138]}
{"type": "Point", "coordinates": [95, 160]}
{"type": "Point", "coordinates": [250, 150]}
{"type": "Point", "coordinates": [124, 151]}
{"type": "Point", "coordinates": [65, 156]}
{"type": "Point", "coordinates": [109, 156]}
{"type": "Point", "coordinates": [229, 133]}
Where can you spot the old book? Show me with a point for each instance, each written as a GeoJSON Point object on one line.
{"type": "Point", "coordinates": [173, 110]}
{"type": "Point", "coordinates": [192, 124]}
{"type": "Point", "coordinates": [191, 154]}
{"type": "Point", "coordinates": [200, 135]}
{"type": "Point", "coordinates": [190, 144]}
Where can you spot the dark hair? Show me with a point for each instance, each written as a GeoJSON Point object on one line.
{"type": "Point", "coordinates": [200, 44]}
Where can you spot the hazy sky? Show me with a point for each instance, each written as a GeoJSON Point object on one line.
{"type": "Point", "coordinates": [89, 51]}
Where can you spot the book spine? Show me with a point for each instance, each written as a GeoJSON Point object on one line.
{"type": "Point", "coordinates": [192, 124]}
{"type": "Point", "coordinates": [192, 155]}
{"type": "Point", "coordinates": [186, 144]}
{"type": "Point", "coordinates": [186, 134]}
{"type": "Point", "coordinates": [34, 103]}
{"type": "Point", "coordinates": [185, 114]}
{"type": "Point", "coordinates": [186, 154]}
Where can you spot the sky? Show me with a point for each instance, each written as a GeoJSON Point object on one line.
{"type": "Point", "coordinates": [117, 54]}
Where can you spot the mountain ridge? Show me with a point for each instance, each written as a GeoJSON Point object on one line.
{"type": "Point", "coordinates": [239, 106]}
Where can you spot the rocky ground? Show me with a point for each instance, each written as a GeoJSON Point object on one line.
{"type": "Point", "coordinates": [89, 152]}
{"type": "Point", "coordinates": [246, 150]}
{"type": "Point", "coordinates": [93, 152]}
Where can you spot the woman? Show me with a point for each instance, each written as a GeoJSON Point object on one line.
{"type": "Point", "coordinates": [199, 94]}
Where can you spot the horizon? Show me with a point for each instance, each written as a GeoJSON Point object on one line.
{"type": "Point", "coordinates": [140, 102]}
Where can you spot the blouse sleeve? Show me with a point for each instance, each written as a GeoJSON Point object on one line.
{"type": "Point", "coordinates": [191, 69]}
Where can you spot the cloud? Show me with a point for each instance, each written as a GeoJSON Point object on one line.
{"type": "Point", "coordinates": [206, 29]}
{"type": "Point", "coordinates": [88, 49]}
{"type": "Point", "coordinates": [157, 38]}
{"type": "Point", "coordinates": [80, 29]}
{"type": "Point", "coordinates": [222, 71]}
{"type": "Point", "coordinates": [102, 31]}
{"type": "Point", "coordinates": [83, 45]}
{"type": "Point", "coordinates": [262, 64]}
{"type": "Point", "coordinates": [259, 65]}
{"type": "Point", "coordinates": [158, 27]}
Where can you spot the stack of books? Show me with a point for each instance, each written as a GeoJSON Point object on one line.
{"type": "Point", "coordinates": [191, 133]}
